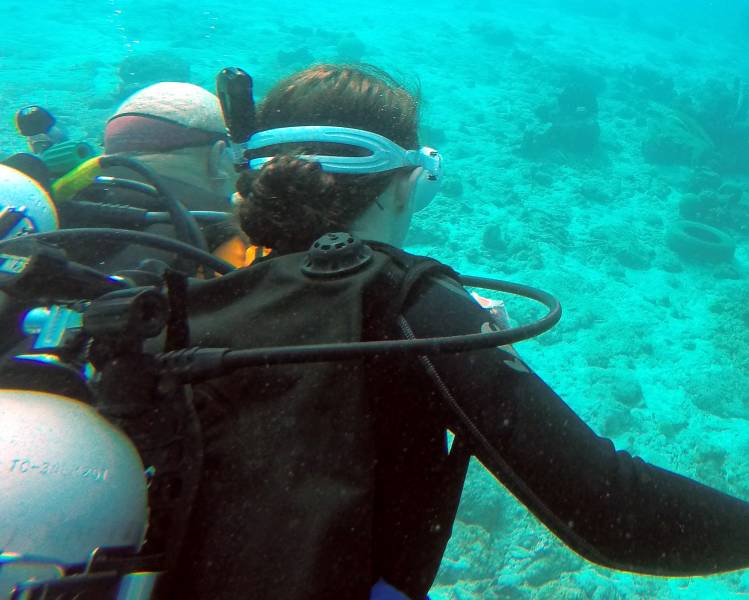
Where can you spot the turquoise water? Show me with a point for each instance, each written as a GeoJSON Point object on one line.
{"type": "Point", "coordinates": [576, 134]}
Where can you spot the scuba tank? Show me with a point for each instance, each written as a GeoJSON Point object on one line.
{"type": "Point", "coordinates": [71, 487]}
{"type": "Point", "coordinates": [25, 206]}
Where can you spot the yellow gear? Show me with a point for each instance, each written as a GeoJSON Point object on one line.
{"type": "Point", "coordinates": [239, 253]}
{"type": "Point", "coordinates": [79, 178]}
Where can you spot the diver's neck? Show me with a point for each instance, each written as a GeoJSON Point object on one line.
{"type": "Point", "coordinates": [188, 171]}
{"type": "Point", "coordinates": [381, 222]}
{"type": "Point", "coordinates": [374, 235]}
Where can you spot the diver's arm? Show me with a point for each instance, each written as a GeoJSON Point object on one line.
{"type": "Point", "coordinates": [610, 507]}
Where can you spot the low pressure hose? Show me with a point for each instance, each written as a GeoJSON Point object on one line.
{"type": "Point", "coordinates": [197, 364]}
{"type": "Point", "coordinates": [185, 225]}
{"type": "Point", "coordinates": [148, 240]}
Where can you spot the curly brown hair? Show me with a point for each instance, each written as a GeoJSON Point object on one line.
{"type": "Point", "coordinates": [291, 202]}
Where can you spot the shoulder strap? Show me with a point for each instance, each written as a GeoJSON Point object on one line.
{"type": "Point", "coordinates": [446, 485]}
{"type": "Point", "coordinates": [177, 327]}
{"type": "Point", "coordinates": [415, 268]}
{"type": "Point", "coordinates": [426, 266]}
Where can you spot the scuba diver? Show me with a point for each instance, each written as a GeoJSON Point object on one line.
{"type": "Point", "coordinates": [52, 153]}
{"type": "Point", "coordinates": [171, 135]}
{"type": "Point", "coordinates": [319, 469]}
{"type": "Point", "coordinates": [174, 133]}
{"type": "Point", "coordinates": [106, 468]}
{"type": "Point", "coordinates": [334, 478]}
{"type": "Point", "coordinates": [170, 132]}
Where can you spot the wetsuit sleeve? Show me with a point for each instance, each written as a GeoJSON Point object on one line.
{"type": "Point", "coordinates": [612, 508]}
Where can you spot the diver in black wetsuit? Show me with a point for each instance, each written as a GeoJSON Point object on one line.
{"type": "Point", "coordinates": [333, 480]}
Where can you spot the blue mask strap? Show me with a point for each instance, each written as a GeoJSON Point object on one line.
{"type": "Point", "coordinates": [385, 154]}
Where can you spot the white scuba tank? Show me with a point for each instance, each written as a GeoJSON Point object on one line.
{"type": "Point", "coordinates": [70, 482]}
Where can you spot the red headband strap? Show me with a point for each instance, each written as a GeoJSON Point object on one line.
{"type": "Point", "coordinates": [133, 132]}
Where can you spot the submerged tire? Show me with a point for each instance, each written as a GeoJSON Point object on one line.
{"type": "Point", "coordinates": [697, 241]}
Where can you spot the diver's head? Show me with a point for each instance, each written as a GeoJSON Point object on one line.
{"type": "Point", "coordinates": [290, 202]}
{"type": "Point", "coordinates": [177, 129]}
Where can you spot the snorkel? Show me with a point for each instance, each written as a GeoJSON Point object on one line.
{"type": "Point", "coordinates": [234, 91]}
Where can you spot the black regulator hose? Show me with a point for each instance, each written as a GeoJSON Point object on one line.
{"type": "Point", "coordinates": [145, 189]}
{"type": "Point", "coordinates": [438, 345]}
{"type": "Point", "coordinates": [196, 364]}
{"type": "Point", "coordinates": [185, 225]}
{"type": "Point", "coordinates": [127, 236]}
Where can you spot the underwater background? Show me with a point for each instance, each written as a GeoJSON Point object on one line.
{"type": "Point", "coordinates": [578, 135]}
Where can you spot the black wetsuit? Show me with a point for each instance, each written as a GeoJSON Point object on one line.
{"type": "Point", "coordinates": [613, 509]}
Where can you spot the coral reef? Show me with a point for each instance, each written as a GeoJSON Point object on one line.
{"type": "Point", "coordinates": [492, 34]}
{"type": "Point", "coordinates": [675, 138]}
{"type": "Point", "coordinates": [298, 57]}
{"type": "Point", "coordinates": [649, 84]}
{"type": "Point", "coordinates": [723, 111]}
{"type": "Point", "coordinates": [568, 125]}
{"type": "Point", "coordinates": [712, 201]}
{"type": "Point", "coordinates": [350, 48]}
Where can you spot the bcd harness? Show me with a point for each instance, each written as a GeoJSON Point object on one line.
{"type": "Point", "coordinates": [317, 471]}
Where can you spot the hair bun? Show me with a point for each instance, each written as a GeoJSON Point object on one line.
{"type": "Point", "coordinates": [287, 176]}
{"type": "Point", "coordinates": [287, 190]}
